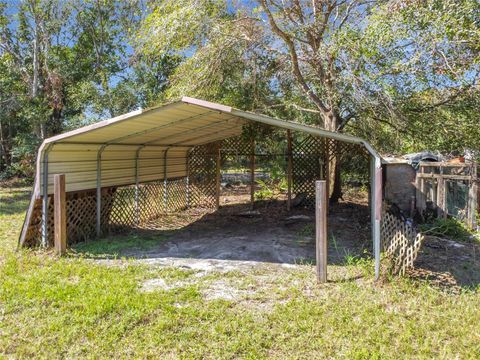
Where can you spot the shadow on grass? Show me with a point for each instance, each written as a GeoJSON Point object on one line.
{"type": "Point", "coordinates": [115, 246]}
{"type": "Point", "coordinates": [14, 201]}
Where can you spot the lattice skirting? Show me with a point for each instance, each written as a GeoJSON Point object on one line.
{"type": "Point", "coordinates": [128, 207]}
{"type": "Point", "coordinates": [122, 208]}
{"type": "Point", "coordinates": [310, 158]}
{"type": "Point", "coordinates": [400, 242]}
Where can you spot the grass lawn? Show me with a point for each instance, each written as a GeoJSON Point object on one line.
{"type": "Point", "coordinates": [81, 307]}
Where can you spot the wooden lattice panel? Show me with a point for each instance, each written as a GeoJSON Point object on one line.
{"type": "Point", "coordinates": [122, 214]}
{"type": "Point", "coordinates": [400, 242]}
{"type": "Point", "coordinates": [308, 166]}
{"type": "Point", "coordinates": [310, 157]}
{"type": "Point", "coordinates": [119, 210]}
{"type": "Point", "coordinates": [202, 163]}
{"type": "Point", "coordinates": [150, 200]}
{"type": "Point", "coordinates": [340, 150]}
{"type": "Point", "coordinates": [236, 145]}
{"type": "Point", "coordinates": [33, 235]}
{"type": "Point", "coordinates": [81, 218]}
{"type": "Point", "coordinates": [176, 195]}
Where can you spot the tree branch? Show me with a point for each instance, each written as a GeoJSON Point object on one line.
{"type": "Point", "coordinates": [294, 58]}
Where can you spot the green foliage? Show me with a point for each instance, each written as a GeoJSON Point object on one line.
{"type": "Point", "coordinates": [405, 77]}
{"type": "Point", "coordinates": [450, 228]}
{"type": "Point", "coordinates": [67, 64]}
{"type": "Point", "coordinates": [265, 192]}
{"type": "Point", "coordinates": [270, 189]}
{"type": "Point", "coordinates": [418, 79]}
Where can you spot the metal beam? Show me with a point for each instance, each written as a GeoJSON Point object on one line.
{"type": "Point", "coordinates": [376, 209]}
{"type": "Point", "coordinates": [137, 154]}
{"type": "Point", "coordinates": [187, 179]}
{"type": "Point", "coordinates": [153, 129]}
{"type": "Point", "coordinates": [120, 144]}
{"type": "Point", "coordinates": [289, 169]}
{"type": "Point", "coordinates": [204, 136]}
{"type": "Point", "coordinates": [165, 181]}
{"type": "Point", "coordinates": [99, 190]}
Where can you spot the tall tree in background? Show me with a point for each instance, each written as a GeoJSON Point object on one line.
{"type": "Point", "coordinates": [401, 73]}
{"type": "Point", "coordinates": [272, 47]}
{"type": "Point", "coordinates": [419, 74]}
{"type": "Point", "coordinates": [373, 68]}
{"type": "Point", "coordinates": [310, 43]}
{"type": "Point", "coordinates": [62, 63]}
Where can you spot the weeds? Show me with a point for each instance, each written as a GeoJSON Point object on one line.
{"type": "Point", "coordinates": [451, 228]}
{"type": "Point", "coordinates": [270, 189]}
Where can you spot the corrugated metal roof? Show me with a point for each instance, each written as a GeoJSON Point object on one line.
{"type": "Point", "coordinates": [148, 134]}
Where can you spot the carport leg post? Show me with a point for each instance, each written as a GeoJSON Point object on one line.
{"type": "Point", "coordinates": [137, 215]}
{"type": "Point", "coordinates": [165, 182]}
{"type": "Point", "coordinates": [327, 167]}
{"type": "Point", "coordinates": [252, 175]}
{"type": "Point", "coordinates": [472, 197]}
{"type": "Point", "coordinates": [289, 170]}
{"type": "Point", "coordinates": [187, 181]}
{"type": "Point", "coordinates": [376, 209]}
{"type": "Point", "coordinates": [60, 214]}
{"type": "Point", "coordinates": [44, 242]}
{"type": "Point", "coordinates": [321, 203]}
{"type": "Point", "coordinates": [99, 190]}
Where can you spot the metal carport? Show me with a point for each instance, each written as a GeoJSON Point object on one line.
{"type": "Point", "coordinates": [125, 150]}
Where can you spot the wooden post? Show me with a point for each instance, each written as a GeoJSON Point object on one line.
{"type": "Point", "coordinates": [472, 198]}
{"type": "Point", "coordinates": [327, 166]}
{"type": "Point", "coordinates": [252, 175]}
{"type": "Point", "coordinates": [217, 180]}
{"type": "Point", "coordinates": [321, 204]}
{"type": "Point", "coordinates": [60, 214]}
{"type": "Point", "coordinates": [289, 170]}
{"type": "Point", "coordinates": [420, 196]}
{"type": "Point", "coordinates": [440, 198]}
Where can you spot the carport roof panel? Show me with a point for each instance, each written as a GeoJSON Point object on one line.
{"type": "Point", "coordinates": [178, 123]}
{"type": "Point", "coordinates": [187, 122]}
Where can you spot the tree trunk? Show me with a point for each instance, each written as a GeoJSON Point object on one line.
{"type": "Point", "coordinates": [335, 192]}
{"type": "Point", "coordinates": [5, 147]}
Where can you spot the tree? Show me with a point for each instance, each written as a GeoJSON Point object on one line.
{"type": "Point", "coordinates": [68, 63]}
{"type": "Point", "coordinates": [421, 58]}
{"type": "Point", "coordinates": [297, 45]}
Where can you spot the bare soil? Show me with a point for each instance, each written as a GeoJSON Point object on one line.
{"type": "Point", "coordinates": [448, 264]}
{"type": "Point", "coordinates": [267, 233]}
{"type": "Point", "coordinates": [238, 237]}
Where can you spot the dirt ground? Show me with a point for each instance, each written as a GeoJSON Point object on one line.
{"type": "Point", "coordinates": [237, 237]}
{"type": "Point", "coordinates": [267, 233]}
{"type": "Point", "coordinates": [448, 264]}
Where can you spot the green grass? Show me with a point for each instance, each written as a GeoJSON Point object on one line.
{"type": "Point", "coordinates": [78, 307]}
{"type": "Point", "coordinates": [116, 245]}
